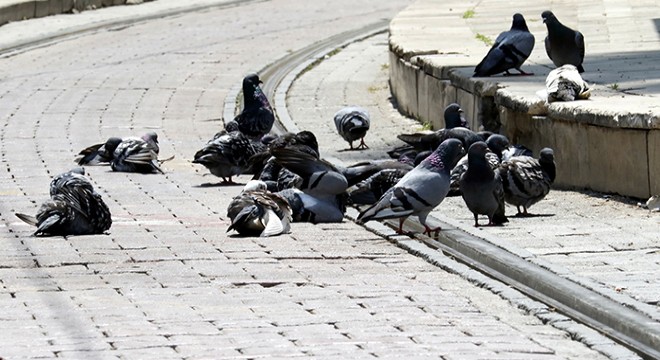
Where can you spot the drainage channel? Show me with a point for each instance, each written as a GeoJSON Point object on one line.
{"type": "Point", "coordinates": [631, 328]}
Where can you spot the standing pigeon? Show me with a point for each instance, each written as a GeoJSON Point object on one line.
{"type": "Point", "coordinates": [352, 123]}
{"type": "Point", "coordinates": [74, 208]}
{"type": "Point", "coordinates": [510, 50]}
{"type": "Point", "coordinates": [481, 187]}
{"type": "Point", "coordinates": [454, 117]}
{"type": "Point", "coordinates": [420, 190]}
{"type": "Point", "coordinates": [257, 118]}
{"type": "Point", "coordinates": [527, 180]}
{"type": "Point", "coordinates": [227, 154]}
{"type": "Point", "coordinates": [563, 44]}
{"type": "Point", "coordinates": [258, 212]}
{"type": "Point", "coordinates": [496, 144]}
{"type": "Point", "coordinates": [565, 84]}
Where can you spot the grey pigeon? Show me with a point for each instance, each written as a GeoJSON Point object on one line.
{"type": "Point", "coordinates": [481, 187]}
{"type": "Point", "coordinates": [420, 190]}
{"type": "Point", "coordinates": [258, 212]}
{"type": "Point", "coordinates": [99, 154]}
{"type": "Point", "coordinates": [563, 44]}
{"type": "Point", "coordinates": [510, 50]}
{"type": "Point", "coordinates": [307, 208]}
{"type": "Point", "coordinates": [369, 190]}
{"type": "Point", "coordinates": [74, 208]}
{"type": "Point", "coordinates": [352, 124]}
{"type": "Point", "coordinates": [565, 84]}
{"type": "Point", "coordinates": [454, 117]}
{"type": "Point", "coordinates": [257, 118]}
{"type": "Point", "coordinates": [227, 154]}
{"type": "Point", "coordinates": [527, 180]}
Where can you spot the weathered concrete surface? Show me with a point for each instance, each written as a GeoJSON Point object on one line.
{"type": "Point", "coordinates": [16, 10]}
{"type": "Point", "coordinates": [438, 42]}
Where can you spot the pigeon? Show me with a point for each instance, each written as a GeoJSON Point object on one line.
{"type": "Point", "coordinates": [563, 44]}
{"type": "Point", "coordinates": [565, 84]}
{"type": "Point", "coordinates": [420, 190]}
{"type": "Point", "coordinates": [227, 154]}
{"type": "Point", "coordinates": [527, 180]}
{"type": "Point", "coordinates": [424, 141]}
{"type": "Point", "coordinates": [307, 208]}
{"type": "Point", "coordinates": [352, 123]}
{"type": "Point", "coordinates": [496, 144]}
{"type": "Point", "coordinates": [99, 155]}
{"type": "Point", "coordinates": [510, 50]}
{"type": "Point", "coordinates": [257, 118]}
{"type": "Point", "coordinates": [368, 191]}
{"type": "Point", "coordinates": [273, 174]}
{"type": "Point", "coordinates": [364, 169]}
{"type": "Point", "coordinates": [258, 212]}
{"type": "Point", "coordinates": [134, 155]}
{"type": "Point", "coordinates": [454, 117]}
{"type": "Point", "coordinates": [515, 150]}
{"type": "Point", "coordinates": [481, 187]}
{"type": "Point", "coordinates": [323, 186]}
{"type": "Point", "coordinates": [74, 208]}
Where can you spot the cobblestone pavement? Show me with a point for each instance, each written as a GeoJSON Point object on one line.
{"type": "Point", "coordinates": [168, 282]}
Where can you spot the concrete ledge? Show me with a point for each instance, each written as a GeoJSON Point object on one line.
{"type": "Point", "coordinates": [610, 143]}
{"type": "Point", "coordinates": [16, 10]}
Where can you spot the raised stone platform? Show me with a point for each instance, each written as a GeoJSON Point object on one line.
{"type": "Point", "coordinates": [609, 143]}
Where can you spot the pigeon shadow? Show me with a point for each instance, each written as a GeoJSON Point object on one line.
{"type": "Point", "coordinates": [523, 216]}
{"type": "Point", "coordinates": [353, 149]}
{"type": "Point", "coordinates": [220, 184]}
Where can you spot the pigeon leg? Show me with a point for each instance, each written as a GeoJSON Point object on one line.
{"type": "Point", "coordinates": [476, 220]}
{"type": "Point", "coordinates": [428, 230]}
{"type": "Point", "coordinates": [400, 230]}
{"type": "Point", "coordinates": [362, 144]}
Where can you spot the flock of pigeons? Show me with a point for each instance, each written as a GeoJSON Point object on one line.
{"type": "Point", "coordinates": [564, 46]}
{"type": "Point", "coordinates": [292, 183]}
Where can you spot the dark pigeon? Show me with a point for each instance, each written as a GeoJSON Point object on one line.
{"type": "Point", "coordinates": [227, 154]}
{"type": "Point", "coordinates": [481, 187]}
{"type": "Point", "coordinates": [454, 117]}
{"type": "Point", "coordinates": [527, 180]}
{"type": "Point", "coordinates": [352, 124]}
{"type": "Point", "coordinates": [420, 190]}
{"type": "Point", "coordinates": [74, 208]}
{"type": "Point", "coordinates": [257, 118]}
{"type": "Point", "coordinates": [510, 50]}
{"type": "Point", "coordinates": [368, 191]}
{"type": "Point", "coordinates": [563, 44]}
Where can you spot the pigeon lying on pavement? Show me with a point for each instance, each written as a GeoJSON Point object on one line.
{"type": "Point", "coordinates": [99, 154]}
{"type": "Point", "coordinates": [481, 187]}
{"type": "Point", "coordinates": [258, 212]}
{"type": "Point", "coordinates": [510, 50]}
{"type": "Point", "coordinates": [565, 84]}
{"type": "Point", "coordinates": [420, 190]}
{"type": "Point", "coordinates": [563, 44]}
{"type": "Point", "coordinates": [527, 180]}
{"type": "Point", "coordinates": [74, 208]}
{"type": "Point", "coordinates": [352, 124]}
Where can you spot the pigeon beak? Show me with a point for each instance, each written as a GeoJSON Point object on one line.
{"type": "Point", "coordinates": [460, 110]}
